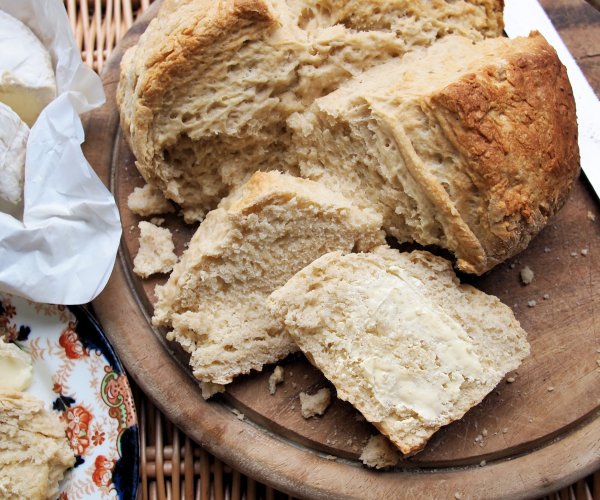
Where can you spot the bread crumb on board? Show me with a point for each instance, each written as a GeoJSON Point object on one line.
{"type": "Point", "coordinates": [527, 275]}
{"type": "Point", "coordinates": [584, 252]}
{"type": "Point", "coordinates": [238, 414]}
{"type": "Point", "coordinates": [157, 251]}
{"type": "Point", "coordinates": [379, 453]}
{"type": "Point", "coordinates": [209, 389]}
{"type": "Point", "coordinates": [277, 377]}
{"type": "Point", "coordinates": [532, 303]}
{"type": "Point", "coordinates": [314, 404]}
{"type": "Point", "coordinates": [148, 200]}
{"type": "Point", "coordinates": [157, 221]}
{"type": "Point", "coordinates": [591, 216]}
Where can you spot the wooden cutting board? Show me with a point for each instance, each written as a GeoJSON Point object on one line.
{"type": "Point", "coordinates": [539, 430]}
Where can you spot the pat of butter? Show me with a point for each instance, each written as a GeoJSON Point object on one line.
{"type": "Point", "coordinates": [15, 368]}
{"type": "Point", "coordinates": [430, 355]}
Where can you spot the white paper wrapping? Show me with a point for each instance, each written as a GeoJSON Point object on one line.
{"type": "Point", "coordinates": [523, 16]}
{"type": "Point", "coordinates": [64, 249]}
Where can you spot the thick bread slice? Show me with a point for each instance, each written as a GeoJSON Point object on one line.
{"type": "Point", "coordinates": [471, 147]}
{"type": "Point", "coordinates": [205, 93]}
{"type": "Point", "coordinates": [34, 451]}
{"type": "Point", "coordinates": [400, 338]}
{"type": "Point", "coordinates": [260, 236]}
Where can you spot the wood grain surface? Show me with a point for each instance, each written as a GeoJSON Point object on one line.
{"type": "Point", "coordinates": [535, 433]}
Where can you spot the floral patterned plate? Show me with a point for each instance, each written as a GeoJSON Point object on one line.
{"type": "Point", "coordinates": [78, 374]}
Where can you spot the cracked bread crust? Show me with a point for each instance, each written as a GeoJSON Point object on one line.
{"type": "Point", "coordinates": [205, 93]}
{"type": "Point", "coordinates": [515, 126]}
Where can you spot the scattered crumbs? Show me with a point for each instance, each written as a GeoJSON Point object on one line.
{"type": "Point", "coordinates": [349, 442]}
{"type": "Point", "coordinates": [314, 404]}
{"type": "Point", "coordinates": [598, 350]}
{"type": "Point", "coordinates": [277, 377]}
{"type": "Point", "coordinates": [557, 258]}
{"type": "Point", "coordinates": [546, 249]}
{"type": "Point", "coordinates": [515, 305]}
{"type": "Point", "coordinates": [457, 496]}
{"type": "Point", "coordinates": [584, 252]}
{"type": "Point", "coordinates": [294, 385]}
{"type": "Point", "coordinates": [573, 254]}
{"type": "Point", "coordinates": [527, 275]}
{"type": "Point", "coordinates": [291, 374]}
{"type": "Point", "coordinates": [550, 389]}
{"type": "Point", "coordinates": [484, 433]}
{"type": "Point", "coordinates": [546, 296]}
{"type": "Point", "coordinates": [510, 380]}
{"type": "Point", "coordinates": [532, 303]}
{"type": "Point", "coordinates": [238, 414]}
{"type": "Point", "coordinates": [512, 265]}
{"type": "Point", "coordinates": [504, 430]}
{"type": "Point", "coordinates": [591, 216]}
{"type": "Point", "coordinates": [530, 420]}
{"type": "Point", "coordinates": [478, 438]}
{"type": "Point", "coordinates": [157, 221]}
{"type": "Point", "coordinates": [330, 457]}
{"type": "Point", "coordinates": [482, 463]}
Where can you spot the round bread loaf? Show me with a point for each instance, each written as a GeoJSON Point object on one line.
{"type": "Point", "coordinates": [403, 106]}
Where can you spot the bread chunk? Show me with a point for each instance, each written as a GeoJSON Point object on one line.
{"type": "Point", "coordinates": [315, 404]}
{"type": "Point", "coordinates": [400, 338]}
{"type": "Point", "coordinates": [273, 226]}
{"type": "Point", "coordinates": [148, 200]}
{"type": "Point", "coordinates": [470, 147]}
{"type": "Point", "coordinates": [156, 253]}
{"type": "Point", "coordinates": [205, 94]}
{"type": "Point", "coordinates": [379, 453]}
{"type": "Point", "coordinates": [34, 451]}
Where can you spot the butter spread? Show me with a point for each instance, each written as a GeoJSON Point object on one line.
{"type": "Point", "coordinates": [15, 368]}
{"type": "Point", "coordinates": [430, 355]}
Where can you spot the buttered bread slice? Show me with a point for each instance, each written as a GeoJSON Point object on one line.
{"type": "Point", "coordinates": [215, 300]}
{"type": "Point", "coordinates": [400, 338]}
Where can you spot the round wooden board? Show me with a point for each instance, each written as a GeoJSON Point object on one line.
{"type": "Point", "coordinates": [535, 434]}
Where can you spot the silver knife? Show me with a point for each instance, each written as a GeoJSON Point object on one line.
{"type": "Point", "coordinates": [520, 18]}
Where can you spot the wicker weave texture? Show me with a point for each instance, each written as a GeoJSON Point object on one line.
{"type": "Point", "coordinates": [172, 465]}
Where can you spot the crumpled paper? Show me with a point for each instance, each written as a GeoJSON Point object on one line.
{"type": "Point", "coordinates": [64, 248]}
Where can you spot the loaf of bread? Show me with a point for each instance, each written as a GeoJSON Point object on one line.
{"type": "Point", "coordinates": [34, 451]}
{"type": "Point", "coordinates": [400, 338]}
{"type": "Point", "coordinates": [205, 94]}
{"type": "Point", "coordinates": [470, 147]}
{"type": "Point", "coordinates": [263, 233]}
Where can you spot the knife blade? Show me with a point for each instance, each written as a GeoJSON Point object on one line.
{"type": "Point", "coordinates": [520, 18]}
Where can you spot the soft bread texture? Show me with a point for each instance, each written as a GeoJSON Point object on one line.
{"type": "Point", "coordinates": [157, 251]}
{"type": "Point", "coordinates": [34, 451]}
{"type": "Point", "coordinates": [261, 235]}
{"type": "Point", "coordinates": [205, 94]}
{"type": "Point", "coordinates": [400, 338]}
{"type": "Point", "coordinates": [471, 147]}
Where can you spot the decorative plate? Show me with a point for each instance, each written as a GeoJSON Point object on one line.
{"type": "Point", "coordinates": [76, 372]}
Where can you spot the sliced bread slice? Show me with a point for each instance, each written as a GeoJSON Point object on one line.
{"type": "Point", "coordinates": [261, 235]}
{"type": "Point", "coordinates": [400, 338]}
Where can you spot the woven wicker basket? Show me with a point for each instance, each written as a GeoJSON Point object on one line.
{"type": "Point", "coordinates": [172, 465]}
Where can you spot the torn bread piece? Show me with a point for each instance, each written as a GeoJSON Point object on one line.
{"type": "Point", "coordinates": [400, 338]}
{"type": "Point", "coordinates": [315, 404]}
{"type": "Point", "coordinates": [148, 200]}
{"type": "Point", "coordinates": [214, 301]}
{"type": "Point", "coordinates": [276, 378]}
{"type": "Point", "coordinates": [379, 453]}
{"type": "Point", "coordinates": [156, 253]}
{"type": "Point", "coordinates": [34, 450]}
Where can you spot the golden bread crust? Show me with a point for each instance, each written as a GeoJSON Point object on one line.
{"type": "Point", "coordinates": [516, 128]}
